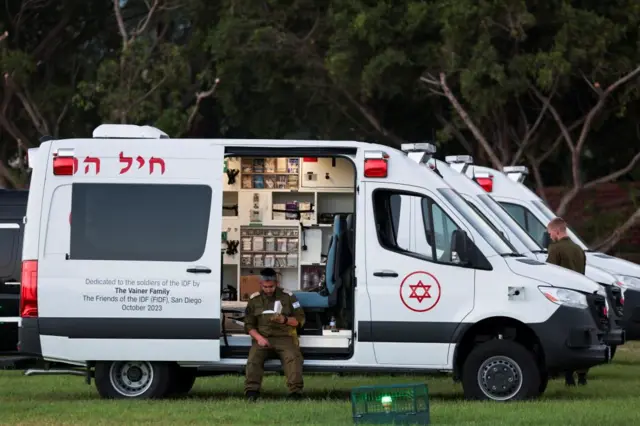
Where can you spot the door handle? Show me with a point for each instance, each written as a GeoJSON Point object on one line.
{"type": "Point", "coordinates": [385, 274]}
{"type": "Point", "coordinates": [199, 270]}
{"type": "Point", "coordinates": [12, 283]}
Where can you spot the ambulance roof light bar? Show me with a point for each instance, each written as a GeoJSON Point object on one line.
{"type": "Point", "coordinates": [128, 131]}
{"type": "Point", "coordinates": [516, 173]}
{"type": "Point", "coordinates": [459, 163]}
{"type": "Point", "coordinates": [419, 152]}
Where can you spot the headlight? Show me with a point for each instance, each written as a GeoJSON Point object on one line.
{"type": "Point", "coordinates": [625, 282]}
{"type": "Point", "coordinates": [566, 297]}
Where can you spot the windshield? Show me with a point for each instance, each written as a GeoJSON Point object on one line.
{"type": "Point", "coordinates": [495, 240]}
{"type": "Point", "coordinates": [508, 220]}
{"type": "Point", "coordinates": [546, 211]}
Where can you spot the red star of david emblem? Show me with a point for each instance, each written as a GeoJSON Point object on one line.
{"type": "Point", "coordinates": [422, 294]}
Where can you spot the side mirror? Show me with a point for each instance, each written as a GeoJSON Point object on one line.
{"type": "Point", "coordinates": [546, 240]}
{"type": "Point", "coordinates": [461, 245]}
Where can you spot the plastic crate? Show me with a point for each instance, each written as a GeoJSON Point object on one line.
{"type": "Point", "coordinates": [405, 404]}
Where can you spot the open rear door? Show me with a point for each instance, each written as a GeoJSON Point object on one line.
{"type": "Point", "coordinates": [129, 267]}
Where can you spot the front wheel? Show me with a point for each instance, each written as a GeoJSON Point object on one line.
{"type": "Point", "coordinates": [132, 379]}
{"type": "Point", "coordinates": [501, 370]}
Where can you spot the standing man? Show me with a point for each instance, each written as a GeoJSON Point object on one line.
{"type": "Point", "coordinates": [273, 333]}
{"type": "Point", "coordinates": [564, 252]}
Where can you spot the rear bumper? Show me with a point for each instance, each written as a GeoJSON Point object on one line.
{"type": "Point", "coordinates": [631, 316]}
{"type": "Point", "coordinates": [571, 341]}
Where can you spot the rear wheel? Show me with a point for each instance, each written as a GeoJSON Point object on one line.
{"type": "Point", "coordinates": [501, 370]}
{"type": "Point", "coordinates": [132, 379]}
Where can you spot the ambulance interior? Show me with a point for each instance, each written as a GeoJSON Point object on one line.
{"type": "Point", "coordinates": [295, 215]}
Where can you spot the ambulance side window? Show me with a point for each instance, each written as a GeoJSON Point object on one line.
{"type": "Point", "coordinates": [431, 228]}
{"type": "Point", "coordinates": [139, 222]}
{"type": "Point", "coordinates": [535, 228]}
{"type": "Point", "coordinates": [443, 227]}
{"type": "Point", "coordinates": [517, 212]}
{"type": "Point", "coordinates": [528, 221]}
{"type": "Point", "coordinates": [400, 218]}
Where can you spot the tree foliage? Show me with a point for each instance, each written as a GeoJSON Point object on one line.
{"type": "Point", "coordinates": [551, 84]}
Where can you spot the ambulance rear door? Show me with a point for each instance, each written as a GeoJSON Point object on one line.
{"type": "Point", "coordinates": [129, 266]}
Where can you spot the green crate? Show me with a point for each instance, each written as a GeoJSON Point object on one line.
{"type": "Point", "coordinates": [403, 404]}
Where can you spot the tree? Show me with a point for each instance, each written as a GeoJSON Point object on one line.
{"type": "Point", "coordinates": [41, 58]}
{"type": "Point", "coordinates": [498, 74]}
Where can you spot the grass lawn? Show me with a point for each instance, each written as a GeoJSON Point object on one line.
{"type": "Point", "coordinates": [612, 396]}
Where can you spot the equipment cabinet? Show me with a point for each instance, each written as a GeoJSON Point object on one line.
{"type": "Point", "coordinates": [278, 212]}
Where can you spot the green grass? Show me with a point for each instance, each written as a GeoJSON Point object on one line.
{"type": "Point", "coordinates": [612, 396]}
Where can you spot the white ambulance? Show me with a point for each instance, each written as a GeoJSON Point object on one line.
{"type": "Point", "coordinates": [496, 216]}
{"type": "Point", "coordinates": [122, 272]}
{"type": "Point", "coordinates": [533, 214]}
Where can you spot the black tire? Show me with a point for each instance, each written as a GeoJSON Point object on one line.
{"type": "Point", "coordinates": [182, 381]}
{"type": "Point", "coordinates": [151, 380]}
{"type": "Point", "coordinates": [515, 360]}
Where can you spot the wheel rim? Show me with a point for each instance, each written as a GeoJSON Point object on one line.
{"type": "Point", "coordinates": [130, 378]}
{"type": "Point", "coordinates": [500, 378]}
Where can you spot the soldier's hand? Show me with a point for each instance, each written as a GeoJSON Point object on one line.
{"type": "Point", "coordinates": [278, 318]}
{"type": "Point", "coordinates": [263, 342]}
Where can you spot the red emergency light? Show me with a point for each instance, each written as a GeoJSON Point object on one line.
{"type": "Point", "coordinates": [375, 167]}
{"type": "Point", "coordinates": [485, 182]}
{"type": "Point", "coordinates": [64, 163]}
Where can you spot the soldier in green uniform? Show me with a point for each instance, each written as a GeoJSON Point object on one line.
{"type": "Point", "coordinates": [564, 252]}
{"type": "Point", "coordinates": [273, 333]}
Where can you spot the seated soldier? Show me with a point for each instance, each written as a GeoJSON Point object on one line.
{"type": "Point", "coordinates": [273, 332]}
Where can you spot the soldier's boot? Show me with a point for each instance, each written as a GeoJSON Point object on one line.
{"type": "Point", "coordinates": [582, 378]}
{"type": "Point", "coordinates": [568, 379]}
{"type": "Point", "coordinates": [254, 371]}
{"type": "Point", "coordinates": [291, 358]}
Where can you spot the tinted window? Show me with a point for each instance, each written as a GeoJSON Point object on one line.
{"type": "Point", "coordinates": [496, 240]}
{"type": "Point", "coordinates": [9, 250]}
{"type": "Point", "coordinates": [486, 219]}
{"type": "Point", "coordinates": [528, 221]}
{"type": "Point", "coordinates": [143, 222]}
{"type": "Point", "coordinates": [508, 220]}
{"type": "Point", "coordinates": [517, 213]}
{"type": "Point", "coordinates": [432, 228]}
{"type": "Point", "coordinates": [535, 228]}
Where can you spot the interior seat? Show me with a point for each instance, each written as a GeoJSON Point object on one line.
{"type": "Point", "coordinates": [325, 298]}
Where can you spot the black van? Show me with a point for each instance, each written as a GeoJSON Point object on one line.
{"type": "Point", "coordinates": [13, 208]}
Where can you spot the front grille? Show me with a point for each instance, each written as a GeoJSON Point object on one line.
{"type": "Point", "coordinates": [598, 308]}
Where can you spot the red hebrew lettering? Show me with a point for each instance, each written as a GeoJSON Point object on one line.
{"type": "Point", "coordinates": [92, 160]}
{"type": "Point", "coordinates": [127, 160]}
{"type": "Point", "coordinates": [140, 161]}
{"type": "Point", "coordinates": [155, 160]}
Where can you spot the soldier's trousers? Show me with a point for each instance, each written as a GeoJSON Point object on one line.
{"type": "Point", "coordinates": [288, 350]}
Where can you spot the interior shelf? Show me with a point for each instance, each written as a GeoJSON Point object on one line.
{"type": "Point", "coordinates": [279, 212]}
